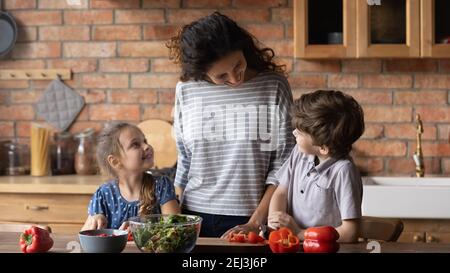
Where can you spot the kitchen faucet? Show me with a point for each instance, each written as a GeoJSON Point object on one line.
{"type": "Point", "coordinates": [418, 155]}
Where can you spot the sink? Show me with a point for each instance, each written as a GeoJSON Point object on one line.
{"type": "Point", "coordinates": [407, 197]}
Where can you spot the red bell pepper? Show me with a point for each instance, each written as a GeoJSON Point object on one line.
{"type": "Point", "coordinates": [314, 246]}
{"type": "Point", "coordinates": [35, 240]}
{"type": "Point", "coordinates": [283, 241]}
{"type": "Point", "coordinates": [241, 237]}
{"type": "Point", "coordinates": [254, 238]}
{"type": "Point", "coordinates": [324, 233]}
{"type": "Point", "coordinates": [237, 237]}
{"type": "Point", "coordinates": [321, 240]}
{"type": "Point", "coordinates": [130, 236]}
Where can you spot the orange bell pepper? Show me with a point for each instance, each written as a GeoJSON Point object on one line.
{"type": "Point", "coordinates": [283, 240]}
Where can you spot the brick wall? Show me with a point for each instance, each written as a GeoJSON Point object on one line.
{"type": "Point", "coordinates": [119, 63]}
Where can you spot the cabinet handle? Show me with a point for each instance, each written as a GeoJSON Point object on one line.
{"type": "Point", "coordinates": [417, 238]}
{"type": "Point", "coordinates": [36, 208]}
{"type": "Point", "coordinates": [431, 239]}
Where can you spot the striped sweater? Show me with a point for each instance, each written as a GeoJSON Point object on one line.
{"type": "Point", "coordinates": [231, 141]}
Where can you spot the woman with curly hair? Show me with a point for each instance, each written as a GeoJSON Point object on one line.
{"type": "Point", "coordinates": [232, 125]}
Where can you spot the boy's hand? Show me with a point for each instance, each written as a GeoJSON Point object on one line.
{"type": "Point", "coordinates": [280, 219]}
{"type": "Point", "coordinates": [97, 221]}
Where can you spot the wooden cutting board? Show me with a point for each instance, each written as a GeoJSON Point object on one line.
{"type": "Point", "coordinates": [159, 134]}
{"type": "Point", "coordinates": [222, 242]}
{"type": "Point", "coordinates": [217, 245]}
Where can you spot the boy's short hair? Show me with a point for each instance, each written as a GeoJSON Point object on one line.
{"type": "Point", "coordinates": [331, 118]}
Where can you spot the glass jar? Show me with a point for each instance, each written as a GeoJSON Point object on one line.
{"type": "Point", "coordinates": [63, 154]}
{"type": "Point", "coordinates": [18, 159]}
{"type": "Point", "coordinates": [3, 156]}
{"type": "Point", "coordinates": [85, 163]}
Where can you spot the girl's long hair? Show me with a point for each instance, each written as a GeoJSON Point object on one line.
{"type": "Point", "coordinates": [108, 143]}
{"type": "Point", "coordinates": [201, 43]}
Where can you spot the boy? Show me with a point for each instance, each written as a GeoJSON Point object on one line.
{"type": "Point", "coordinates": [319, 184]}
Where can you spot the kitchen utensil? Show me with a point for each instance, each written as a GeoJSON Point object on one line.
{"type": "Point", "coordinates": [159, 134]}
{"type": "Point", "coordinates": [113, 240]}
{"type": "Point", "coordinates": [8, 31]}
{"type": "Point", "coordinates": [59, 105]}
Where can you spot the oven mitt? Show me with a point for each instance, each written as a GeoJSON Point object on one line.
{"type": "Point", "coordinates": [59, 105]}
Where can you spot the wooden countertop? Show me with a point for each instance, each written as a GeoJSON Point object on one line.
{"type": "Point", "coordinates": [9, 243]}
{"type": "Point", "coordinates": [61, 184]}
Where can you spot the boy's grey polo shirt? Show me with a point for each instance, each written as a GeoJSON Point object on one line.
{"type": "Point", "coordinates": [321, 195]}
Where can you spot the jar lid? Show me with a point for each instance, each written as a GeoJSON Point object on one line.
{"type": "Point", "coordinates": [86, 133]}
{"type": "Point", "coordinates": [63, 135]}
{"type": "Point", "coordinates": [14, 145]}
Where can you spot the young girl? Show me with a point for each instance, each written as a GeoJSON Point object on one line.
{"type": "Point", "coordinates": [225, 171]}
{"type": "Point", "coordinates": [123, 153]}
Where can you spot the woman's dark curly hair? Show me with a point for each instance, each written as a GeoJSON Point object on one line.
{"type": "Point", "coordinates": [203, 42]}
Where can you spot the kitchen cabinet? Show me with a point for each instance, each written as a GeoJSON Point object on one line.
{"type": "Point", "coordinates": [324, 28]}
{"type": "Point", "coordinates": [435, 28]}
{"type": "Point", "coordinates": [371, 28]}
{"type": "Point", "coordinates": [57, 201]}
{"type": "Point", "coordinates": [390, 29]}
{"type": "Point", "coordinates": [425, 231]}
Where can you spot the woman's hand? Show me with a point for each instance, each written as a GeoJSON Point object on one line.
{"type": "Point", "coordinates": [246, 228]}
{"type": "Point", "coordinates": [278, 219]}
{"type": "Point", "coordinates": [97, 221]}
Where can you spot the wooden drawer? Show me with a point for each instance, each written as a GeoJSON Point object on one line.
{"type": "Point", "coordinates": [55, 227]}
{"type": "Point", "coordinates": [438, 237]}
{"type": "Point", "coordinates": [43, 208]}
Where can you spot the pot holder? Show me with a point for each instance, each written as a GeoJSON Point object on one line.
{"type": "Point", "coordinates": [59, 105]}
